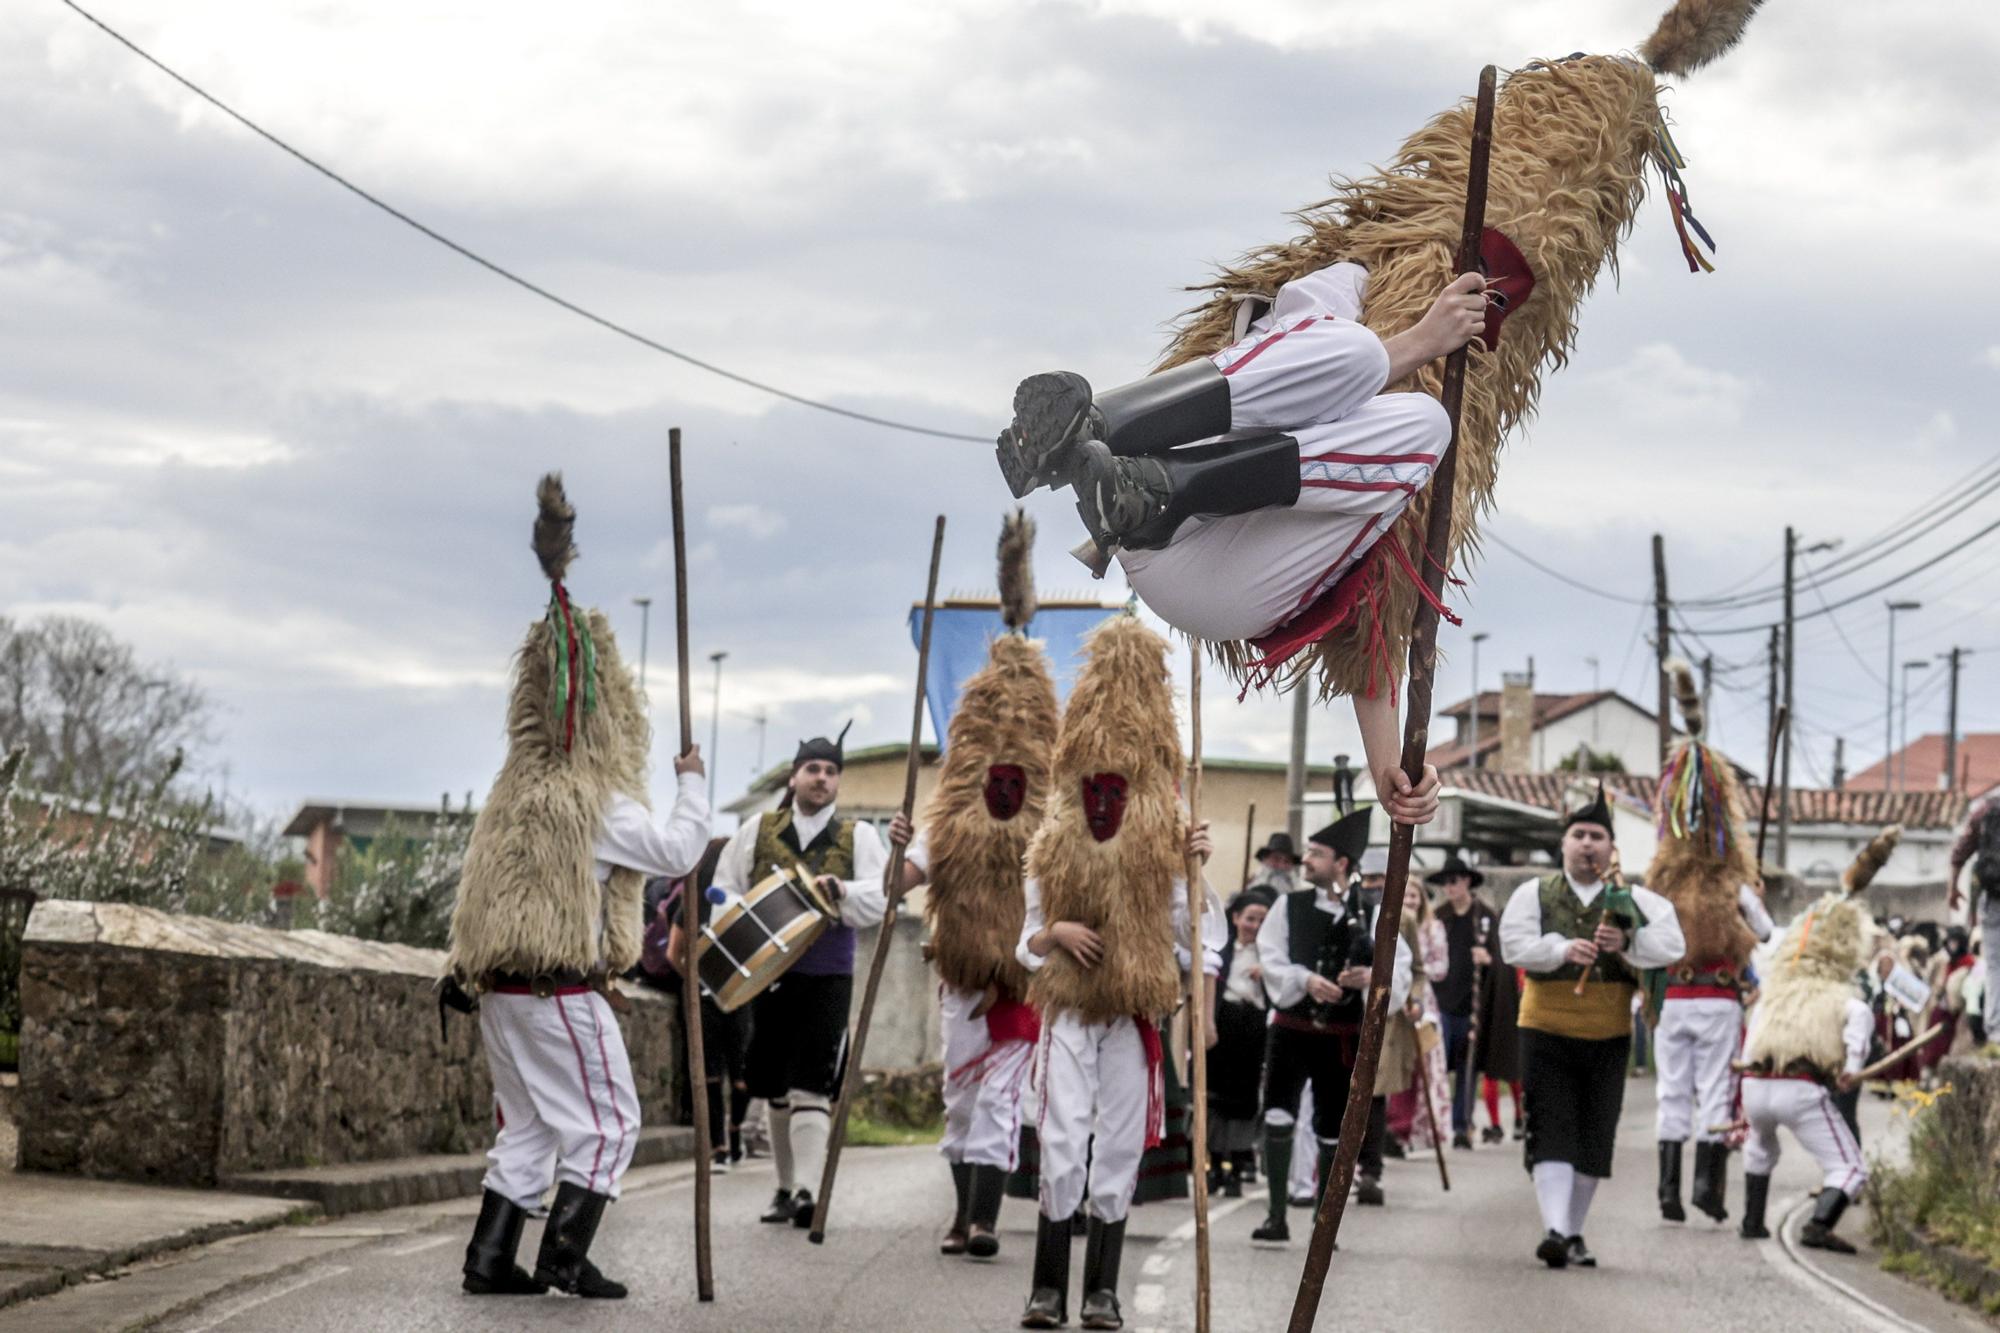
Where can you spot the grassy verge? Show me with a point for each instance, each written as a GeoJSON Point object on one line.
{"type": "Point", "coordinates": [863, 1132]}
{"type": "Point", "coordinates": [1948, 1194]}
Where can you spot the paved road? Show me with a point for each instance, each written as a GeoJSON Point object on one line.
{"type": "Point", "coordinates": [1430, 1261]}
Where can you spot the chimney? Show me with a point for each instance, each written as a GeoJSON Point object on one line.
{"type": "Point", "coordinates": [1517, 720]}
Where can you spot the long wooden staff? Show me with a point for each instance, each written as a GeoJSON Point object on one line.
{"type": "Point", "coordinates": [1469, 1074]}
{"type": "Point", "coordinates": [1430, 1112]}
{"type": "Point", "coordinates": [1416, 739]}
{"type": "Point", "coordinates": [1197, 1006]}
{"type": "Point", "coordinates": [1249, 841]}
{"type": "Point", "coordinates": [892, 887]}
{"type": "Point", "coordinates": [1778, 726]}
{"type": "Point", "coordinates": [704, 1267]}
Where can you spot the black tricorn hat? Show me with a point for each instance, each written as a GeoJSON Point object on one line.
{"type": "Point", "coordinates": [1597, 812]}
{"type": "Point", "coordinates": [1348, 835]}
{"type": "Point", "coordinates": [1278, 844]}
{"type": "Point", "coordinates": [1454, 867]}
{"type": "Point", "coordinates": [819, 747]}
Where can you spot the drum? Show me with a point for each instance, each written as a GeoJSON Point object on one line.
{"type": "Point", "coordinates": [749, 944]}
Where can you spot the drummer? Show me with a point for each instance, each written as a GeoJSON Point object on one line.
{"type": "Point", "coordinates": [798, 1027]}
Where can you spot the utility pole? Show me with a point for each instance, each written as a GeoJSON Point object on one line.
{"type": "Point", "coordinates": [1839, 763]}
{"type": "Point", "coordinates": [1785, 756]}
{"type": "Point", "coordinates": [1889, 685]}
{"type": "Point", "coordinates": [1951, 722]}
{"type": "Point", "coordinates": [1295, 769]}
{"type": "Point", "coordinates": [1661, 646]}
{"type": "Point", "coordinates": [1472, 743]}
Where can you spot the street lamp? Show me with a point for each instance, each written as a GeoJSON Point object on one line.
{"type": "Point", "coordinates": [645, 605]}
{"type": "Point", "coordinates": [1889, 684]}
{"type": "Point", "coordinates": [1903, 757]}
{"type": "Point", "coordinates": [715, 725]}
{"type": "Point", "coordinates": [1472, 754]}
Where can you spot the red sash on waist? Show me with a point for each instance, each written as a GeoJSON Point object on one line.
{"type": "Point", "coordinates": [1693, 992]}
{"type": "Point", "coordinates": [1012, 1020]}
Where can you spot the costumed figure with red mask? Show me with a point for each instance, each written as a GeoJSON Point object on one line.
{"type": "Point", "coordinates": [798, 1026]}
{"type": "Point", "coordinates": [991, 790]}
{"type": "Point", "coordinates": [1106, 940]}
{"type": "Point", "coordinates": [548, 910]}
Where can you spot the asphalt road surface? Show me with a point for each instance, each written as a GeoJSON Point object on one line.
{"type": "Point", "coordinates": [1429, 1260]}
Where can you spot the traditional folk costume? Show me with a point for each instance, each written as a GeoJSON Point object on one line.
{"type": "Point", "coordinates": [1809, 1028]}
{"type": "Point", "coordinates": [1707, 869]}
{"type": "Point", "coordinates": [1265, 536]}
{"type": "Point", "coordinates": [1455, 991]}
{"type": "Point", "coordinates": [1236, 1062]}
{"type": "Point", "coordinates": [1320, 931]}
{"type": "Point", "coordinates": [1574, 1047]}
{"type": "Point", "coordinates": [549, 908]}
{"type": "Point", "coordinates": [1408, 1042]}
{"type": "Point", "coordinates": [989, 800]}
{"type": "Point", "coordinates": [798, 1026]}
{"type": "Point", "coordinates": [1110, 856]}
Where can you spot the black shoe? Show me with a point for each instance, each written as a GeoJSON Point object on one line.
{"type": "Point", "coordinates": [1275, 1231]}
{"type": "Point", "coordinates": [1818, 1233]}
{"type": "Point", "coordinates": [564, 1261]}
{"type": "Point", "coordinates": [1670, 1181]}
{"type": "Point", "coordinates": [961, 1184]}
{"type": "Point", "coordinates": [1393, 1147]}
{"type": "Point", "coordinates": [1553, 1251]}
{"type": "Point", "coordinates": [1246, 1166]}
{"type": "Point", "coordinates": [1302, 1201]}
{"type": "Point", "coordinates": [1140, 503]}
{"type": "Point", "coordinates": [989, 1186]}
{"type": "Point", "coordinates": [1711, 1180]}
{"type": "Point", "coordinates": [1048, 1302]}
{"type": "Point", "coordinates": [1103, 1247]}
{"type": "Point", "coordinates": [1492, 1134]}
{"type": "Point", "coordinates": [802, 1210]}
{"type": "Point", "coordinates": [1579, 1256]}
{"type": "Point", "coordinates": [490, 1269]}
{"type": "Point", "coordinates": [1055, 412]}
{"type": "Point", "coordinates": [1368, 1190]}
{"type": "Point", "coordinates": [1520, 1131]}
{"type": "Point", "coordinates": [781, 1209]}
{"type": "Point", "coordinates": [1756, 1190]}
{"type": "Point", "coordinates": [1462, 1139]}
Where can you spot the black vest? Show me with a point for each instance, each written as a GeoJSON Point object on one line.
{"type": "Point", "coordinates": [1327, 944]}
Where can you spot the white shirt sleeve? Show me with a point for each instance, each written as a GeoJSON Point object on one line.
{"type": "Point", "coordinates": [1284, 980]}
{"type": "Point", "coordinates": [1754, 914]}
{"type": "Point", "coordinates": [636, 838]}
{"type": "Point", "coordinates": [918, 853]}
{"type": "Point", "coordinates": [1659, 941]}
{"type": "Point", "coordinates": [863, 899]}
{"type": "Point", "coordinates": [1522, 941]}
{"type": "Point", "coordinates": [1856, 1033]}
{"type": "Point", "coordinates": [1211, 929]}
{"type": "Point", "coordinates": [1031, 925]}
{"type": "Point", "coordinates": [732, 871]}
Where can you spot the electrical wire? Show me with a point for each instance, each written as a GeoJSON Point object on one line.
{"type": "Point", "coordinates": [1556, 574]}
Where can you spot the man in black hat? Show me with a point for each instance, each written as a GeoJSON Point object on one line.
{"type": "Point", "coordinates": [1583, 942]}
{"type": "Point", "coordinates": [1316, 948]}
{"type": "Point", "coordinates": [798, 1027]}
{"type": "Point", "coordinates": [1278, 865]}
{"type": "Point", "coordinates": [1468, 936]}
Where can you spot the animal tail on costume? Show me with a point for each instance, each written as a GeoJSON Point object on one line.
{"type": "Point", "coordinates": [1696, 32]}
{"type": "Point", "coordinates": [1687, 696]}
{"type": "Point", "coordinates": [1869, 862]}
{"type": "Point", "coordinates": [1017, 571]}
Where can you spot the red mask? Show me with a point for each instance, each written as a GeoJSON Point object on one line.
{"type": "Point", "coordinates": [1104, 804]}
{"type": "Point", "coordinates": [1006, 789]}
{"type": "Point", "coordinates": [1508, 282]}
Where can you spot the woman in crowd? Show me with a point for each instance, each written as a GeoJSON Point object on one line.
{"type": "Point", "coordinates": [1236, 1060]}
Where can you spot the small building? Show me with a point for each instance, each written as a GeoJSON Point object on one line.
{"type": "Point", "coordinates": [1523, 731]}
{"type": "Point", "coordinates": [326, 825]}
{"type": "Point", "coordinates": [1920, 766]}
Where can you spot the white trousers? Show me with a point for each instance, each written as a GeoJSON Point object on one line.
{"type": "Point", "coordinates": [1094, 1085]}
{"type": "Point", "coordinates": [1692, 1048]}
{"type": "Point", "coordinates": [982, 1085]}
{"type": "Point", "coordinates": [562, 1087]}
{"type": "Point", "coordinates": [1308, 369]}
{"type": "Point", "coordinates": [1807, 1109]}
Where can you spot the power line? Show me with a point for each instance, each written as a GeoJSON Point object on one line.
{"type": "Point", "coordinates": [1556, 574]}
{"type": "Point", "coordinates": [499, 270]}
{"type": "Point", "coordinates": [1833, 620]}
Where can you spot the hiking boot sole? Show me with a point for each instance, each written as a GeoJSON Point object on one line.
{"type": "Point", "coordinates": [1051, 413]}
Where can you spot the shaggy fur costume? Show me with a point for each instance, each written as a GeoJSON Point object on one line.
{"type": "Point", "coordinates": [1688, 870]}
{"type": "Point", "coordinates": [528, 899]}
{"type": "Point", "coordinates": [1006, 715]}
{"type": "Point", "coordinates": [1120, 719]}
{"type": "Point", "coordinates": [1804, 1002]}
{"type": "Point", "coordinates": [1572, 140]}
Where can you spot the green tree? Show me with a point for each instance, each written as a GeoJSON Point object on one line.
{"type": "Point", "coordinates": [400, 887]}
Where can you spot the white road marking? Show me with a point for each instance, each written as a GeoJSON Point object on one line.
{"type": "Point", "coordinates": [419, 1247]}
{"type": "Point", "coordinates": [1787, 1259]}
{"type": "Point", "coordinates": [1150, 1298]}
{"type": "Point", "coordinates": [244, 1307]}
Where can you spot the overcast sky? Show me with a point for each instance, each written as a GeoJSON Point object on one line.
{"type": "Point", "coordinates": [287, 445]}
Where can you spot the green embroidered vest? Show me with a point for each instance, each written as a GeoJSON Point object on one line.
{"type": "Point", "coordinates": [1564, 914]}
{"type": "Point", "coordinates": [831, 853]}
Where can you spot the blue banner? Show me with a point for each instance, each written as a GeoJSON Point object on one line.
{"type": "Point", "coordinates": [960, 636]}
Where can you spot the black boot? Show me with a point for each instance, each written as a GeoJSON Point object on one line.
{"type": "Point", "coordinates": [1711, 1180]}
{"type": "Point", "coordinates": [1246, 1165]}
{"type": "Point", "coordinates": [1101, 1251]}
{"type": "Point", "coordinates": [1139, 503]}
{"type": "Point", "coordinates": [1054, 413]}
{"type": "Point", "coordinates": [1048, 1303]}
{"type": "Point", "coordinates": [564, 1261]}
{"type": "Point", "coordinates": [490, 1269]}
{"type": "Point", "coordinates": [989, 1186]}
{"type": "Point", "coordinates": [961, 1181]}
{"type": "Point", "coordinates": [1670, 1181]}
{"type": "Point", "coordinates": [1818, 1233]}
{"type": "Point", "coordinates": [1277, 1178]}
{"type": "Point", "coordinates": [1756, 1190]}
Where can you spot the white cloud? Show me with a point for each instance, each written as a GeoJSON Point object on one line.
{"type": "Point", "coordinates": [754, 519]}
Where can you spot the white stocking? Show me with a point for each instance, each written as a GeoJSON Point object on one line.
{"type": "Point", "coordinates": [1555, 1186]}
{"type": "Point", "coordinates": [1579, 1202]}
{"type": "Point", "coordinates": [781, 1146]}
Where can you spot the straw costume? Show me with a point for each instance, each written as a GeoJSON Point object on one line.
{"type": "Point", "coordinates": [1109, 858]}
{"type": "Point", "coordinates": [1707, 869]}
{"type": "Point", "coordinates": [1809, 1029]}
{"type": "Point", "coordinates": [1266, 537]}
{"type": "Point", "coordinates": [991, 792]}
{"type": "Point", "coordinates": [548, 909]}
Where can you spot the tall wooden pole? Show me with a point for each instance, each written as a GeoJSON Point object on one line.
{"type": "Point", "coordinates": [1779, 725]}
{"type": "Point", "coordinates": [1249, 841]}
{"type": "Point", "coordinates": [1416, 740]}
{"type": "Point", "coordinates": [1431, 1114]}
{"type": "Point", "coordinates": [704, 1265]}
{"type": "Point", "coordinates": [1663, 647]}
{"type": "Point", "coordinates": [1197, 1006]}
{"type": "Point", "coordinates": [850, 1083]}
{"type": "Point", "coordinates": [1785, 741]}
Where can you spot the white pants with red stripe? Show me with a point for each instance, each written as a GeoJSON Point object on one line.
{"type": "Point", "coordinates": [1308, 369]}
{"type": "Point", "coordinates": [982, 1085]}
{"type": "Point", "coordinates": [1807, 1109]}
{"type": "Point", "coordinates": [1094, 1083]}
{"type": "Point", "coordinates": [563, 1089]}
{"type": "Point", "coordinates": [1692, 1046]}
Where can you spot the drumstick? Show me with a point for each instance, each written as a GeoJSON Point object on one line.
{"type": "Point", "coordinates": [704, 1272]}
{"type": "Point", "coordinates": [850, 1082]}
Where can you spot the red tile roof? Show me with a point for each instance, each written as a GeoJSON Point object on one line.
{"type": "Point", "coordinates": [1923, 764]}
{"type": "Point", "coordinates": [1810, 805]}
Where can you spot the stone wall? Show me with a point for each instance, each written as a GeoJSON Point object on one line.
{"type": "Point", "coordinates": [179, 1050]}
{"type": "Point", "coordinates": [905, 1030]}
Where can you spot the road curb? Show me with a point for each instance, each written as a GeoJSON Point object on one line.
{"type": "Point", "coordinates": [109, 1261]}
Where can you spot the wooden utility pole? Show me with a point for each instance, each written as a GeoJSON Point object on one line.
{"type": "Point", "coordinates": [1839, 762]}
{"type": "Point", "coordinates": [1951, 778]}
{"type": "Point", "coordinates": [1662, 647]}
{"type": "Point", "coordinates": [1785, 754]}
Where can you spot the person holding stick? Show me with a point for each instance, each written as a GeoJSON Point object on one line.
{"type": "Point", "coordinates": [1582, 949]}
{"type": "Point", "coordinates": [798, 1027]}
{"type": "Point", "coordinates": [1106, 939]}
{"type": "Point", "coordinates": [549, 908]}
{"type": "Point", "coordinates": [1468, 930]}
